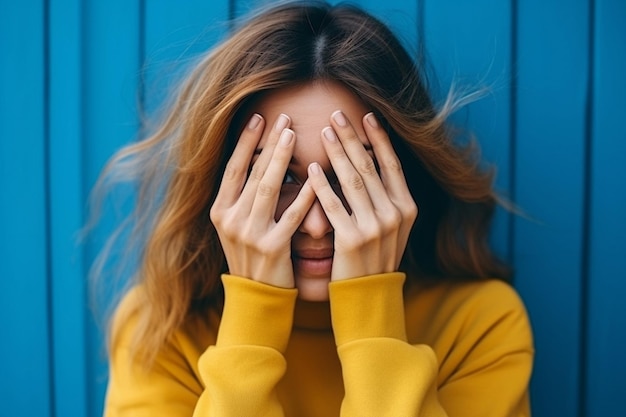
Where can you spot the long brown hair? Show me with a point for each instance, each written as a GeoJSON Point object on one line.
{"type": "Point", "coordinates": [179, 165]}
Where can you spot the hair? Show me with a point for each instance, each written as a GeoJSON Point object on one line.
{"type": "Point", "coordinates": [178, 167]}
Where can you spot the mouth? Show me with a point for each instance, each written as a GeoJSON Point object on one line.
{"type": "Point", "coordinates": [313, 262]}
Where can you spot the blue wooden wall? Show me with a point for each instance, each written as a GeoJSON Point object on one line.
{"type": "Point", "coordinates": [553, 123]}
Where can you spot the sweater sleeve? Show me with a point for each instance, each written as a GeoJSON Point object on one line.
{"type": "Point", "coordinates": [239, 373]}
{"type": "Point", "coordinates": [384, 375]}
{"type": "Point", "coordinates": [242, 370]}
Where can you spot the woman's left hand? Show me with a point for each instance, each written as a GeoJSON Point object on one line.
{"type": "Point", "coordinates": [370, 234]}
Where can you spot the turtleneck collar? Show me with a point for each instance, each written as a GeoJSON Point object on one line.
{"type": "Point", "coordinates": [312, 315]}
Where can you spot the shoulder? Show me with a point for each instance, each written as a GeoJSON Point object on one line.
{"type": "Point", "coordinates": [486, 312]}
{"type": "Point", "coordinates": [133, 310]}
{"type": "Point", "coordinates": [124, 322]}
{"type": "Point", "coordinates": [488, 297]}
{"type": "Point", "coordinates": [179, 351]}
{"type": "Point", "coordinates": [487, 304]}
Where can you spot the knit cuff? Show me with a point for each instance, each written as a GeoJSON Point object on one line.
{"type": "Point", "coordinates": [371, 306]}
{"type": "Point", "coordinates": [256, 314]}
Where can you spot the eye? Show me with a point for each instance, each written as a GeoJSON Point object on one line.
{"type": "Point", "coordinates": [289, 179]}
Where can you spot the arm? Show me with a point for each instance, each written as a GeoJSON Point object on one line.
{"type": "Point", "coordinates": [383, 374]}
{"type": "Point", "coordinates": [166, 386]}
{"type": "Point", "coordinates": [243, 368]}
{"type": "Point", "coordinates": [239, 373]}
{"type": "Point", "coordinates": [485, 373]}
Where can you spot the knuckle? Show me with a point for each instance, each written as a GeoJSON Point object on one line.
{"type": "Point", "coordinates": [265, 190]}
{"type": "Point", "coordinates": [410, 210]}
{"type": "Point", "coordinates": [334, 206]}
{"type": "Point", "coordinates": [215, 215]}
{"type": "Point", "coordinates": [393, 218]}
{"type": "Point", "coordinates": [226, 232]}
{"type": "Point", "coordinates": [256, 174]}
{"type": "Point", "coordinates": [230, 233]}
{"type": "Point", "coordinates": [414, 210]}
{"type": "Point", "coordinates": [393, 164]}
{"type": "Point", "coordinates": [231, 171]}
{"type": "Point", "coordinates": [291, 217]}
{"type": "Point", "coordinates": [355, 182]}
{"type": "Point", "coordinates": [375, 231]}
{"type": "Point", "coordinates": [367, 167]}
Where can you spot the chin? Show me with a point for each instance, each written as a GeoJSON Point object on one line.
{"type": "Point", "coordinates": [312, 289]}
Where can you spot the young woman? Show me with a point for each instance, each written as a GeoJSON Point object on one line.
{"type": "Point", "coordinates": [286, 271]}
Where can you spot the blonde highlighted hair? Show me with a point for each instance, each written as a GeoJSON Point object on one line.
{"type": "Point", "coordinates": [178, 167]}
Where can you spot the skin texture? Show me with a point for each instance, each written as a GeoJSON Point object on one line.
{"type": "Point", "coordinates": [325, 198]}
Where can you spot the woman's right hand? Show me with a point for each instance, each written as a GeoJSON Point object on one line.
{"type": "Point", "coordinates": [255, 244]}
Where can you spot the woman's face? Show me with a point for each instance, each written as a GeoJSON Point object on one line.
{"type": "Point", "coordinates": [309, 106]}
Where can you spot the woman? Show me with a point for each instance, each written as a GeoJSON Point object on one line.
{"type": "Point", "coordinates": [285, 270]}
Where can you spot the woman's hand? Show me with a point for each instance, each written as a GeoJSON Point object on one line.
{"type": "Point", "coordinates": [372, 233]}
{"type": "Point", "coordinates": [255, 244]}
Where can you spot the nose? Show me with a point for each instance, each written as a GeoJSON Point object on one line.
{"type": "Point", "coordinates": [315, 223]}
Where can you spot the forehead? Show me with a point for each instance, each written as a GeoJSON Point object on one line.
{"type": "Point", "coordinates": [309, 106]}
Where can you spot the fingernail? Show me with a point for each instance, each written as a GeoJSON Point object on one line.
{"type": "Point", "coordinates": [281, 123]}
{"type": "Point", "coordinates": [254, 121]}
{"type": "Point", "coordinates": [315, 168]}
{"type": "Point", "coordinates": [371, 119]}
{"type": "Point", "coordinates": [286, 137]}
{"type": "Point", "coordinates": [339, 118]}
{"type": "Point", "coordinates": [329, 134]}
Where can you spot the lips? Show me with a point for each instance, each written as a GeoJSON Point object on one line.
{"type": "Point", "coordinates": [313, 262]}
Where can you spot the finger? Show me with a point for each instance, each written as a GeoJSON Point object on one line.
{"type": "Point", "coordinates": [352, 184]}
{"type": "Point", "coordinates": [392, 175]}
{"type": "Point", "coordinates": [265, 155]}
{"type": "Point", "coordinates": [331, 203]}
{"type": "Point", "coordinates": [268, 188]}
{"type": "Point", "coordinates": [360, 158]}
{"type": "Point", "coordinates": [353, 145]}
{"type": "Point", "coordinates": [388, 162]}
{"type": "Point", "coordinates": [238, 165]}
{"type": "Point", "coordinates": [294, 214]}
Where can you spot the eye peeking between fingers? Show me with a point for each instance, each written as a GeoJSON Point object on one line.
{"type": "Point", "coordinates": [290, 179]}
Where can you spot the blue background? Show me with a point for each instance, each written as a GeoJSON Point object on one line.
{"type": "Point", "coordinates": [553, 123]}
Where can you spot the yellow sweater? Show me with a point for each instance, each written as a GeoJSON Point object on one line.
{"type": "Point", "coordinates": [453, 349]}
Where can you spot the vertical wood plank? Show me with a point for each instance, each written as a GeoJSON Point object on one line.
{"type": "Point", "coordinates": [401, 16]}
{"type": "Point", "coordinates": [242, 8]}
{"type": "Point", "coordinates": [606, 335]}
{"type": "Point", "coordinates": [469, 45]}
{"type": "Point", "coordinates": [175, 34]}
{"type": "Point", "coordinates": [111, 60]}
{"type": "Point", "coordinates": [124, 45]}
{"type": "Point", "coordinates": [69, 303]}
{"type": "Point", "coordinates": [24, 329]}
{"type": "Point", "coordinates": [553, 47]}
